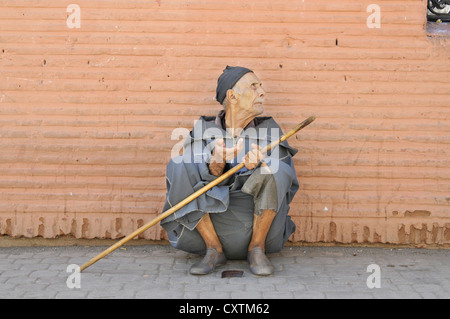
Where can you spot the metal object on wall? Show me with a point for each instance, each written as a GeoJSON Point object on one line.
{"type": "Point", "coordinates": [438, 10]}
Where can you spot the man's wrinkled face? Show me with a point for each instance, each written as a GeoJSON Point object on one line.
{"type": "Point", "coordinates": [250, 94]}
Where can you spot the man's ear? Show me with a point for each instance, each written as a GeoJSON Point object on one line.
{"type": "Point", "coordinates": [231, 96]}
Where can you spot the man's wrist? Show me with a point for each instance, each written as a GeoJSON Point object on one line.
{"type": "Point", "coordinates": [216, 166]}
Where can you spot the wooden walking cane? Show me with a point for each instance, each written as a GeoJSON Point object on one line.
{"type": "Point", "coordinates": [190, 198]}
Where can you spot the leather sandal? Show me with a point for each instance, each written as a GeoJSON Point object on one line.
{"type": "Point", "coordinates": [260, 265]}
{"type": "Point", "coordinates": [209, 263]}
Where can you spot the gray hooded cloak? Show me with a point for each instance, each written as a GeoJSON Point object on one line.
{"type": "Point", "coordinates": [232, 203]}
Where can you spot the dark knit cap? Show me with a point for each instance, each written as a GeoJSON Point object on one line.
{"type": "Point", "coordinates": [229, 77]}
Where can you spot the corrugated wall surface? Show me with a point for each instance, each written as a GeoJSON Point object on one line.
{"type": "Point", "coordinates": [87, 114]}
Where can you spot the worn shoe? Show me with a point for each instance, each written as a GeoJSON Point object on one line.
{"type": "Point", "coordinates": [209, 263]}
{"type": "Point", "coordinates": [260, 265]}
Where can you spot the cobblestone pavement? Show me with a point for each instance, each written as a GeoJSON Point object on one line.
{"type": "Point", "coordinates": [159, 271]}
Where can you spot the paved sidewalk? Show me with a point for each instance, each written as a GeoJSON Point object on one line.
{"type": "Point", "coordinates": [159, 271]}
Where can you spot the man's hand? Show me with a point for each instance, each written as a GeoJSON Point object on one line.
{"type": "Point", "coordinates": [222, 154]}
{"type": "Point", "coordinates": [253, 157]}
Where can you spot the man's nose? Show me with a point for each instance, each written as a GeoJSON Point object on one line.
{"type": "Point", "coordinates": [261, 92]}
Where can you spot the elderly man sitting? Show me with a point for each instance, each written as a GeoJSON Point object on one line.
{"type": "Point", "coordinates": [246, 215]}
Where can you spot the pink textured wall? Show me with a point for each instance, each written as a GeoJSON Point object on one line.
{"type": "Point", "coordinates": [86, 114]}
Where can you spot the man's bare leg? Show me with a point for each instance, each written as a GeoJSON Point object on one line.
{"type": "Point", "coordinates": [261, 226]}
{"type": "Point", "coordinates": [206, 229]}
{"type": "Point", "coordinates": [259, 264]}
{"type": "Point", "coordinates": [214, 256]}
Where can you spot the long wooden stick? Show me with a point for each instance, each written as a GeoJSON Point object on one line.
{"type": "Point", "coordinates": [190, 198]}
